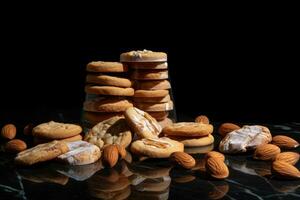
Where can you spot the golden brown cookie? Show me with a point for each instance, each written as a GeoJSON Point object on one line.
{"type": "Point", "coordinates": [196, 141]}
{"type": "Point", "coordinates": [142, 123]}
{"type": "Point", "coordinates": [159, 116]}
{"type": "Point", "coordinates": [199, 150]}
{"type": "Point", "coordinates": [96, 117]}
{"type": "Point", "coordinates": [165, 122]}
{"type": "Point", "coordinates": [152, 99]}
{"type": "Point", "coordinates": [143, 56]}
{"type": "Point", "coordinates": [156, 147]}
{"type": "Point", "coordinates": [100, 66]}
{"type": "Point", "coordinates": [37, 140]}
{"type": "Point", "coordinates": [148, 65]}
{"type": "Point", "coordinates": [109, 90]}
{"type": "Point", "coordinates": [152, 85]}
{"type": "Point", "coordinates": [107, 105]}
{"type": "Point", "coordinates": [155, 107]}
{"type": "Point", "coordinates": [151, 93]}
{"type": "Point", "coordinates": [41, 153]}
{"type": "Point", "coordinates": [108, 80]}
{"type": "Point", "coordinates": [55, 130]}
{"type": "Point", "coordinates": [150, 74]}
{"type": "Point", "coordinates": [188, 129]}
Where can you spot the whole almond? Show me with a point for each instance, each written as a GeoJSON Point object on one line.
{"type": "Point", "coordinates": [215, 154]}
{"type": "Point", "coordinates": [183, 159]}
{"type": "Point", "coordinates": [28, 129]}
{"type": "Point", "coordinates": [285, 142]}
{"type": "Point", "coordinates": [285, 170]}
{"type": "Point", "coordinates": [202, 119]}
{"type": "Point", "coordinates": [122, 151]}
{"type": "Point", "coordinates": [289, 157]}
{"type": "Point", "coordinates": [226, 128]}
{"type": "Point", "coordinates": [15, 146]}
{"type": "Point", "coordinates": [110, 155]}
{"type": "Point", "coordinates": [216, 168]}
{"type": "Point", "coordinates": [9, 131]}
{"type": "Point", "coordinates": [266, 152]}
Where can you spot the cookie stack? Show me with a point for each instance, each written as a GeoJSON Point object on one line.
{"type": "Point", "coordinates": [107, 89]}
{"type": "Point", "coordinates": [149, 74]}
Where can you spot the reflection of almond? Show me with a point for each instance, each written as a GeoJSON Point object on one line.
{"type": "Point", "coordinates": [9, 131]}
{"type": "Point", "coordinates": [15, 146]}
{"type": "Point", "coordinates": [285, 170]}
{"type": "Point", "coordinates": [216, 168]}
{"type": "Point", "coordinates": [289, 157]}
{"type": "Point", "coordinates": [110, 155]}
{"type": "Point", "coordinates": [215, 154]}
{"type": "Point", "coordinates": [266, 152]}
{"type": "Point", "coordinates": [122, 151]}
{"type": "Point", "coordinates": [184, 179]}
{"type": "Point", "coordinates": [285, 142]}
{"type": "Point", "coordinates": [219, 191]}
{"type": "Point", "coordinates": [202, 119]}
{"type": "Point", "coordinates": [183, 159]}
{"type": "Point", "coordinates": [226, 128]}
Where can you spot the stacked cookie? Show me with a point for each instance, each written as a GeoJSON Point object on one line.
{"type": "Point", "coordinates": [107, 89]}
{"type": "Point", "coordinates": [149, 73]}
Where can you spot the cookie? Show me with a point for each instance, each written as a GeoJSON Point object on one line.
{"type": "Point", "coordinates": [143, 56]}
{"type": "Point", "coordinates": [41, 153]}
{"type": "Point", "coordinates": [199, 150]}
{"type": "Point", "coordinates": [152, 85]}
{"type": "Point", "coordinates": [165, 122]}
{"type": "Point", "coordinates": [159, 116]}
{"type": "Point", "coordinates": [107, 105]}
{"type": "Point", "coordinates": [111, 131]}
{"type": "Point", "coordinates": [37, 140]}
{"type": "Point", "coordinates": [148, 65]}
{"type": "Point", "coordinates": [195, 142]}
{"type": "Point", "coordinates": [152, 99]}
{"type": "Point", "coordinates": [155, 107]}
{"type": "Point", "coordinates": [156, 147]}
{"type": "Point", "coordinates": [108, 80]}
{"type": "Point", "coordinates": [142, 123]}
{"type": "Point", "coordinates": [150, 74]}
{"type": "Point", "coordinates": [80, 153]}
{"type": "Point", "coordinates": [100, 66]}
{"type": "Point", "coordinates": [188, 129]}
{"type": "Point", "coordinates": [151, 93]}
{"type": "Point", "coordinates": [95, 118]}
{"type": "Point", "coordinates": [109, 90]}
{"type": "Point", "coordinates": [55, 130]}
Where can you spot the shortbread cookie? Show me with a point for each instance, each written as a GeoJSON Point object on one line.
{"type": "Point", "coordinates": [143, 56]}
{"type": "Point", "coordinates": [151, 93]}
{"type": "Point", "coordinates": [199, 150]}
{"type": "Point", "coordinates": [111, 131]}
{"type": "Point", "coordinates": [155, 107]}
{"type": "Point", "coordinates": [156, 147]}
{"type": "Point", "coordinates": [150, 74]}
{"type": "Point", "coordinates": [152, 85]}
{"type": "Point", "coordinates": [149, 65]}
{"type": "Point", "coordinates": [108, 80]}
{"type": "Point", "coordinates": [164, 99]}
{"type": "Point", "coordinates": [109, 90]}
{"type": "Point", "coordinates": [165, 122]}
{"type": "Point", "coordinates": [142, 123]}
{"type": "Point", "coordinates": [41, 153]}
{"type": "Point", "coordinates": [195, 142]}
{"type": "Point", "coordinates": [107, 105]}
{"type": "Point", "coordinates": [100, 66]}
{"type": "Point", "coordinates": [188, 129]}
{"type": "Point", "coordinates": [37, 140]}
{"type": "Point", "coordinates": [159, 116]}
{"type": "Point", "coordinates": [55, 130]}
{"type": "Point", "coordinates": [96, 117]}
{"type": "Point", "coordinates": [80, 153]}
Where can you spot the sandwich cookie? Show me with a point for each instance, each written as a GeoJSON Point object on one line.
{"type": "Point", "coordinates": [143, 56]}
{"type": "Point", "coordinates": [100, 66]}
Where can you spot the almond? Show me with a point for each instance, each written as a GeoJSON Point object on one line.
{"type": "Point", "coordinates": [202, 119]}
{"type": "Point", "coordinates": [266, 152]}
{"type": "Point", "coordinates": [285, 170]}
{"type": "Point", "coordinates": [183, 159]}
{"type": "Point", "coordinates": [15, 146]}
{"type": "Point", "coordinates": [226, 128]}
{"type": "Point", "coordinates": [122, 151]}
{"type": "Point", "coordinates": [285, 142]}
{"type": "Point", "coordinates": [110, 155]}
{"type": "Point", "coordinates": [216, 168]}
{"type": "Point", "coordinates": [9, 131]}
{"type": "Point", "coordinates": [28, 129]}
{"type": "Point", "coordinates": [289, 157]}
{"type": "Point", "coordinates": [215, 154]}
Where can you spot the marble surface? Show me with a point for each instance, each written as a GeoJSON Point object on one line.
{"type": "Point", "coordinates": [149, 179]}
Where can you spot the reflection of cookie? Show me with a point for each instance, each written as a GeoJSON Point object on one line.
{"type": "Point", "coordinates": [142, 123]}
{"type": "Point", "coordinates": [37, 140]}
{"type": "Point", "coordinates": [110, 131]}
{"type": "Point", "coordinates": [95, 118]}
{"type": "Point", "coordinates": [159, 116]}
{"type": "Point", "coordinates": [106, 105]}
{"type": "Point", "coordinates": [108, 80]}
{"type": "Point", "coordinates": [154, 185]}
{"type": "Point", "coordinates": [55, 130]}
{"type": "Point", "coordinates": [188, 129]}
{"type": "Point", "coordinates": [151, 93]}
{"type": "Point", "coordinates": [149, 65]}
{"type": "Point", "coordinates": [195, 142]}
{"type": "Point", "coordinates": [156, 148]}
{"type": "Point", "coordinates": [152, 85]}
{"type": "Point", "coordinates": [42, 152]}
{"type": "Point", "coordinates": [99, 66]}
{"type": "Point", "coordinates": [152, 99]}
{"type": "Point", "coordinates": [149, 171]}
{"type": "Point", "coordinates": [155, 107]}
{"type": "Point", "coordinates": [107, 186]}
{"type": "Point", "coordinates": [165, 122]}
{"type": "Point", "coordinates": [150, 74]}
{"type": "Point", "coordinates": [109, 90]}
{"type": "Point", "coordinates": [143, 56]}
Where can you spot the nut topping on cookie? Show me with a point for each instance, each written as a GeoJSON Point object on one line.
{"type": "Point", "coordinates": [156, 143]}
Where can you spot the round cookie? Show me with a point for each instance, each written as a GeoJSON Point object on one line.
{"type": "Point", "coordinates": [95, 118]}
{"type": "Point", "coordinates": [109, 90]}
{"type": "Point", "coordinates": [152, 99]}
{"type": "Point", "coordinates": [149, 65]}
{"type": "Point", "coordinates": [156, 147]}
{"type": "Point", "coordinates": [150, 74]}
{"type": "Point", "coordinates": [165, 122]}
{"type": "Point", "coordinates": [55, 130]}
{"type": "Point", "coordinates": [143, 56]}
{"type": "Point", "coordinates": [155, 107]}
{"type": "Point", "coordinates": [100, 66]}
{"type": "Point", "coordinates": [195, 142]}
{"type": "Point", "coordinates": [108, 80]}
{"type": "Point", "coordinates": [151, 93]}
{"type": "Point", "coordinates": [197, 150]}
{"type": "Point", "coordinates": [37, 140]}
{"type": "Point", "coordinates": [107, 105]}
{"type": "Point", "coordinates": [188, 129]}
{"type": "Point", "coordinates": [159, 115]}
{"type": "Point", "coordinates": [152, 85]}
